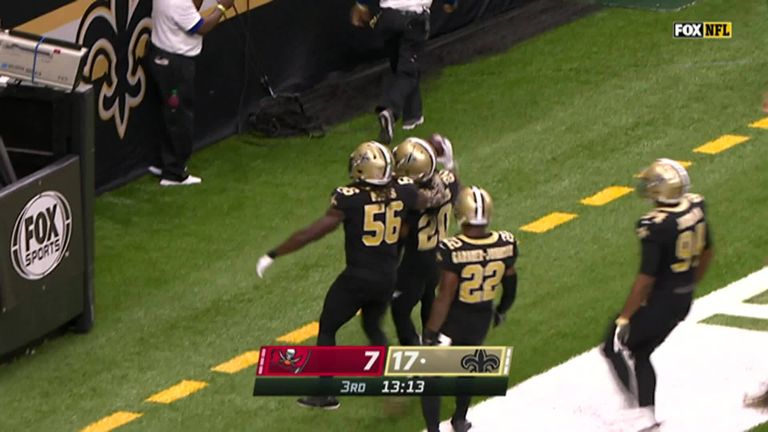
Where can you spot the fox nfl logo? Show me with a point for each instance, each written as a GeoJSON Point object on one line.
{"type": "Point", "coordinates": [703, 30]}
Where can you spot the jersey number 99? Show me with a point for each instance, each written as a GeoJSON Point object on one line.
{"type": "Point", "coordinates": [378, 231]}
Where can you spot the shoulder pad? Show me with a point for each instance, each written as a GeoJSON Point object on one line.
{"type": "Point", "coordinates": [507, 236]}
{"type": "Point", "coordinates": [447, 177]}
{"type": "Point", "coordinates": [404, 180]}
{"type": "Point", "coordinates": [694, 198]}
{"type": "Point", "coordinates": [347, 190]}
{"type": "Point", "coordinates": [653, 217]}
{"type": "Point", "coordinates": [451, 243]}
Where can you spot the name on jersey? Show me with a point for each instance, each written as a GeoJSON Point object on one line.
{"type": "Point", "coordinates": [478, 255]}
{"type": "Point", "coordinates": [690, 219]}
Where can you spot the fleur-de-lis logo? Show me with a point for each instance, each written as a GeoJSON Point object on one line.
{"type": "Point", "coordinates": [117, 32]}
{"type": "Point", "coordinates": [480, 361]}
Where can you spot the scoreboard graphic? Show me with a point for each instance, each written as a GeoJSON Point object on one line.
{"type": "Point", "coordinates": [382, 371]}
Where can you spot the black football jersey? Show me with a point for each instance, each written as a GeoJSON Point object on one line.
{"type": "Point", "coordinates": [480, 264]}
{"type": "Point", "coordinates": [672, 240]}
{"type": "Point", "coordinates": [373, 218]}
{"type": "Point", "coordinates": [429, 227]}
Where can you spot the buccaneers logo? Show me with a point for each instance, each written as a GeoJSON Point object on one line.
{"type": "Point", "coordinates": [288, 360]}
{"type": "Point", "coordinates": [118, 32]}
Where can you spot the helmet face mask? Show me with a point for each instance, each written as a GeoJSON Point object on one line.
{"type": "Point", "coordinates": [371, 162]}
{"type": "Point", "coordinates": [665, 181]}
{"type": "Point", "coordinates": [473, 207]}
{"type": "Point", "coordinates": [416, 159]}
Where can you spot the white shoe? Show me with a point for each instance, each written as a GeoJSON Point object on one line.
{"type": "Point", "coordinates": [190, 180]}
{"type": "Point", "coordinates": [411, 124]}
{"type": "Point", "coordinates": [155, 170]}
{"type": "Point", "coordinates": [639, 420]}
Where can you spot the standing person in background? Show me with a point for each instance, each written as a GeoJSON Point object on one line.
{"type": "Point", "coordinates": [177, 38]}
{"type": "Point", "coordinates": [404, 26]}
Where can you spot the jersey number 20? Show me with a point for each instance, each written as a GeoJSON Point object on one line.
{"type": "Point", "coordinates": [377, 231]}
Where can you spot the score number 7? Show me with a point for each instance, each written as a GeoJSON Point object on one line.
{"type": "Point", "coordinates": [373, 356]}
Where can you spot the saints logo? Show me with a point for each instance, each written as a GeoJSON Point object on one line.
{"type": "Point", "coordinates": [480, 361]}
{"type": "Point", "coordinates": [118, 33]}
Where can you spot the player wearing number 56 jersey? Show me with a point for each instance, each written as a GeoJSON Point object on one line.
{"type": "Point", "coordinates": [418, 274]}
{"type": "Point", "coordinates": [372, 210]}
{"type": "Point", "coordinates": [676, 250]}
{"type": "Point", "coordinates": [473, 267]}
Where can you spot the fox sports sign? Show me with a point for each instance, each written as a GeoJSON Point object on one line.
{"type": "Point", "coordinates": [41, 235]}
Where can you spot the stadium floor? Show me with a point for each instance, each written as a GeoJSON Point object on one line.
{"type": "Point", "coordinates": [550, 122]}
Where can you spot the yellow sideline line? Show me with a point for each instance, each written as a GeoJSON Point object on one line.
{"type": "Point", "coordinates": [548, 222]}
{"type": "Point", "coordinates": [607, 195]}
{"type": "Point", "coordinates": [177, 391]}
{"type": "Point", "coordinates": [760, 124]}
{"type": "Point", "coordinates": [721, 144]}
{"type": "Point", "coordinates": [236, 364]}
{"type": "Point", "coordinates": [112, 421]}
{"type": "Point", "coordinates": [301, 334]}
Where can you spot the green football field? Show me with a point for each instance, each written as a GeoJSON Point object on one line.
{"type": "Point", "coordinates": [542, 126]}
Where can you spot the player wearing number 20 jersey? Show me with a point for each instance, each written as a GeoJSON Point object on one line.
{"type": "Point", "coordinates": [676, 250]}
{"type": "Point", "coordinates": [474, 266]}
{"type": "Point", "coordinates": [417, 275]}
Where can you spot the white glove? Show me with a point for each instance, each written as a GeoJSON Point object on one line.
{"type": "Point", "coordinates": [447, 158]}
{"type": "Point", "coordinates": [621, 334]}
{"type": "Point", "coordinates": [264, 262]}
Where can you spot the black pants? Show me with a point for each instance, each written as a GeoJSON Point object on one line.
{"type": "Point", "coordinates": [404, 36]}
{"type": "Point", "coordinates": [347, 295]}
{"type": "Point", "coordinates": [465, 328]}
{"type": "Point", "coordinates": [417, 279]}
{"type": "Point", "coordinates": [175, 78]}
{"type": "Point", "coordinates": [649, 327]}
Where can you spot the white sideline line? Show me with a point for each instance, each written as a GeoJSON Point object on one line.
{"type": "Point", "coordinates": [703, 372]}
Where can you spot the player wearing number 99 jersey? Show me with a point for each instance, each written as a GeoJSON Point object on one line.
{"type": "Point", "coordinates": [473, 266]}
{"type": "Point", "coordinates": [676, 251]}
{"type": "Point", "coordinates": [372, 209]}
{"type": "Point", "coordinates": [418, 274]}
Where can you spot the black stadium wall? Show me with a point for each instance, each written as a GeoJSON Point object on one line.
{"type": "Point", "coordinates": [296, 43]}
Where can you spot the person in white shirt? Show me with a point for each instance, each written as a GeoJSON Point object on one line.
{"type": "Point", "coordinates": [404, 26]}
{"type": "Point", "coordinates": [177, 38]}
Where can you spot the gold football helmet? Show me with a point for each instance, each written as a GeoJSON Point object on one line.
{"type": "Point", "coordinates": [371, 162]}
{"type": "Point", "coordinates": [416, 159]}
{"type": "Point", "coordinates": [664, 181]}
{"type": "Point", "coordinates": [474, 206]}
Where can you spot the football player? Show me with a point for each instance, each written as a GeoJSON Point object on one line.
{"type": "Point", "coordinates": [372, 210]}
{"type": "Point", "coordinates": [676, 252]}
{"type": "Point", "coordinates": [418, 273]}
{"type": "Point", "coordinates": [473, 265]}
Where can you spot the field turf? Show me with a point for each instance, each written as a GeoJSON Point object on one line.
{"type": "Point", "coordinates": [541, 126]}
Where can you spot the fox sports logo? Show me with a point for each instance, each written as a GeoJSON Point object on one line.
{"type": "Point", "coordinates": [41, 235]}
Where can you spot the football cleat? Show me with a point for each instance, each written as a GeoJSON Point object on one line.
{"type": "Point", "coordinates": [412, 124]}
{"type": "Point", "coordinates": [415, 159]}
{"type": "Point", "coordinates": [473, 206]}
{"type": "Point", "coordinates": [461, 425]}
{"type": "Point", "coordinates": [664, 181]}
{"type": "Point", "coordinates": [189, 181]}
{"type": "Point", "coordinates": [371, 162]}
{"type": "Point", "coordinates": [323, 402]}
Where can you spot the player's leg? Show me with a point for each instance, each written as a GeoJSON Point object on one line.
{"type": "Point", "coordinates": [340, 305]}
{"type": "Point", "coordinates": [428, 294]}
{"type": "Point", "coordinates": [373, 312]}
{"type": "Point", "coordinates": [408, 291]}
{"type": "Point", "coordinates": [430, 409]}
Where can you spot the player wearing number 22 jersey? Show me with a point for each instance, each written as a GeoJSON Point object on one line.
{"type": "Point", "coordinates": [418, 274]}
{"type": "Point", "coordinates": [474, 266]}
{"type": "Point", "coordinates": [676, 251]}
